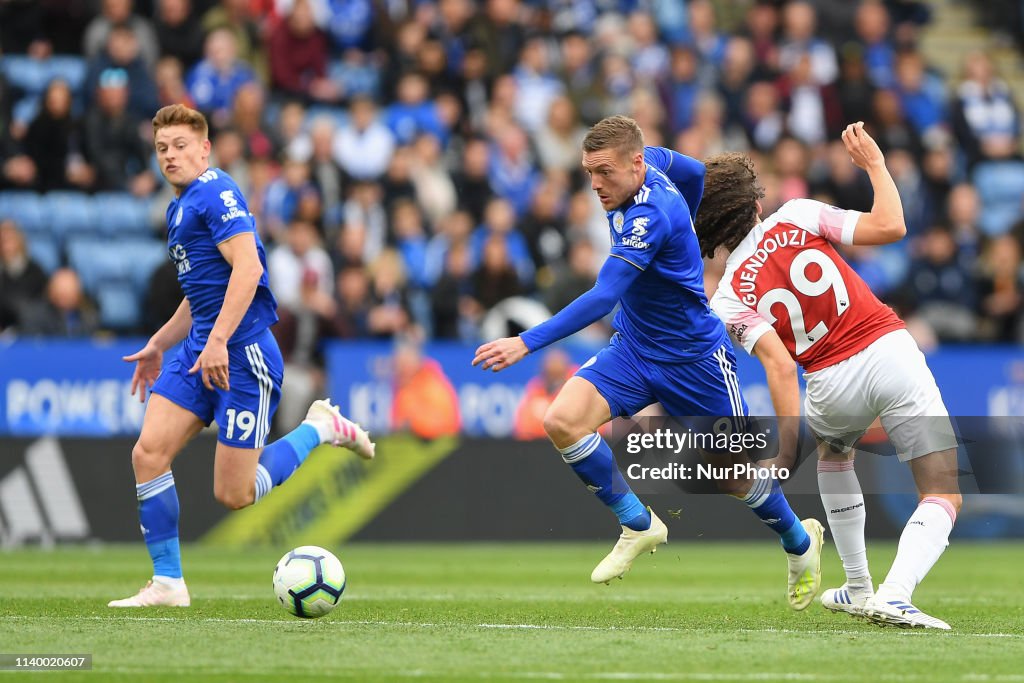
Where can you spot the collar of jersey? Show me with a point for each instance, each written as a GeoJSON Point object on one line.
{"type": "Point", "coordinates": [192, 184]}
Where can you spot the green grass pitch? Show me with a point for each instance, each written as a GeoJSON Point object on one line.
{"type": "Point", "coordinates": [692, 612]}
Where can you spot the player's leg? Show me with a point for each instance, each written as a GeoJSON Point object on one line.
{"type": "Point", "coordinates": [916, 420]}
{"type": "Point", "coordinates": [246, 467]}
{"type": "Point", "coordinates": [166, 428]}
{"type": "Point", "coordinates": [839, 413]}
{"type": "Point", "coordinates": [843, 500]}
{"type": "Point", "coordinates": [606, 386]}
{"type": "Point", "coordinates": [924, 539]}
{"type": "Point", "coordinates": [710, 388]}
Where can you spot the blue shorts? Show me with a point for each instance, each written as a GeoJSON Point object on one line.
{"type": "Point", "coordinates": [702, 388]}
{"type": "Point", "coordinates": [244, 413]}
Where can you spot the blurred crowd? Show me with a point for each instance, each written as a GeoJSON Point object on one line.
{"type": "Point", "coordinates": [414, 165]}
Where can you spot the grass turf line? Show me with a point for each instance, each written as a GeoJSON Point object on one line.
{"type": "Point", "coordinates": [691, 612]}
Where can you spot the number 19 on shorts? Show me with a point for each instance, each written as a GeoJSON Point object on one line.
{"type": "Point", "coordinates": [245, 421]}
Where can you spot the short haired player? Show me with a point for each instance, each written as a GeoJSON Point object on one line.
{"type": "Point", "coordinates": [669, 347]}
{"type": "Point", "coordinates": [787, 295]}
{"type": "Point", "coordinates": [228, 369]}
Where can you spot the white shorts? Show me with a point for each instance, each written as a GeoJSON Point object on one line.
{"type": "Point", "coordinates": [889, 380]}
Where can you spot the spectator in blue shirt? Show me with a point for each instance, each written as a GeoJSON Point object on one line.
{"type": "Point", "coordinates": [213, 82]}
{"type": "Point", "coordinates": [123, 53]}
{"type": "Point", "coordinates": [413, 113]}
{"type": "Point", "coordinates": [922, 94]}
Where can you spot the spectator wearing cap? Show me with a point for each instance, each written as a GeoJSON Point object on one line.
{"type": "Point", "coordinates": [112, 140]}
{"type": "Point", "coordinates": [123, 51]}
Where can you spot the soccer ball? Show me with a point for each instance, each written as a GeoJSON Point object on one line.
{"type": "Point", "coordinates": [309, 581]}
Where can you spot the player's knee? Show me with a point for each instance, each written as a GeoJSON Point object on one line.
{"type": "Point", "coordinates": [558, 426]}
{"type": "Point", "coordinates": [732, 486]}
{"type": "Point", "coordinates": [233, 498]}
{"type": "Point", "coordinates": [148, 462]}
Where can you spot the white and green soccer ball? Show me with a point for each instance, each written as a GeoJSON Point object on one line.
{"type": "Point", "coordinates": [309, 581]}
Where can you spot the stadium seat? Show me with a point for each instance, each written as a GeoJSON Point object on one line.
{"type": "Point", "coordinates": [26, 208]}
{"type": "Point", "coordinates": [70, 212]}
{"type": "Point", "coordinates": [96, 260]}
{"type": "Point", "coordinates": [70, 68]}
{"type": "Point", "coordinates": [45, 251]}
{"type": "Point", "coordinates": [1000, 188]}
{"type": "Point", "coordinates": [119, 305]}
{"type": "Point", "coordinates": [26, 73]}
{"type": "Point", "coordinates": [144, 257]}
{"type": "Point", "coordinates": [131, 261]}
{"type": "Point", "coordinates": [121, 213]}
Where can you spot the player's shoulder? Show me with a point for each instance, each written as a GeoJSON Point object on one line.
{"type": "Point", "coordinates": [801, 212]}
{"type": "Point", "coordinates": [213, 181]}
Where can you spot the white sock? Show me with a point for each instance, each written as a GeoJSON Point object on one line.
{"type": "Point", "coordinates": [325, 430]}
{"type": "Point", "coordinates": [844, 508]}
{"type": "Point", "coordinates": [170, 581]}
{"type": "Point", "coordinates": [921, 543]}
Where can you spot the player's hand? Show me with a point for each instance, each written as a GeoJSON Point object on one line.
{"type": "Point", "coordinates": [863, 149]}
{"type": "Point", "coordinates": [149, 360]}
{"type": "Point", "coordinates": [213, 363]}
{"type": "Point", "coordinates": [500, 353]}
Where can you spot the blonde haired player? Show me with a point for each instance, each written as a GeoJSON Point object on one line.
{"type": "Point", "coordinates": [228, 369]}
{"type": "Point", "coordinates": [786, 296]}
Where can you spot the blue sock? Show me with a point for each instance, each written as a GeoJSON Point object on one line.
{"type": "Point", "coordinates": [280, 459]}
{"type": "Point", "coordinates": [769, 503]}
{"type": "Point", "coordinates": [158, 515]}
{"type": "Point", "coordinates": [593, 462]}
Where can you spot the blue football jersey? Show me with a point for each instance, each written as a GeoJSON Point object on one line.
{"type": "Point", "coordinates": [208, 212]}
{"type": "Point", "coordinates": [664, 314]}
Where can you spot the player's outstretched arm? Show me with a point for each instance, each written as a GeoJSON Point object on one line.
{"type": "Point", "coordinates": [885, 223]}
{"type": "Point", "coordinates": [612, 282]}
{"type": "Point", "coordinates": [780, 368]}
{"type": "Point", "coordinates": [246, 270]}
{"type": "Point", "coordinates": [149, 359]}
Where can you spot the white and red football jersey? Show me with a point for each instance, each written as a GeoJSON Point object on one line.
{"type": "Point", "coordinates": [786, 275]}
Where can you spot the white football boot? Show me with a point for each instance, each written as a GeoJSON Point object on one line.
{"type": "Point", "coordinates": [805, 570]}
{"type": "Point", "coordinates": [345, 433]}
{"type": "Point", "coordinates": [845, 599]}
{"type": "Point", "coordinates": [156, 594]}
{"type": "Point", "coordinates": [631, 544]}
{"type": "Point", "coordinates": [890, 611]}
